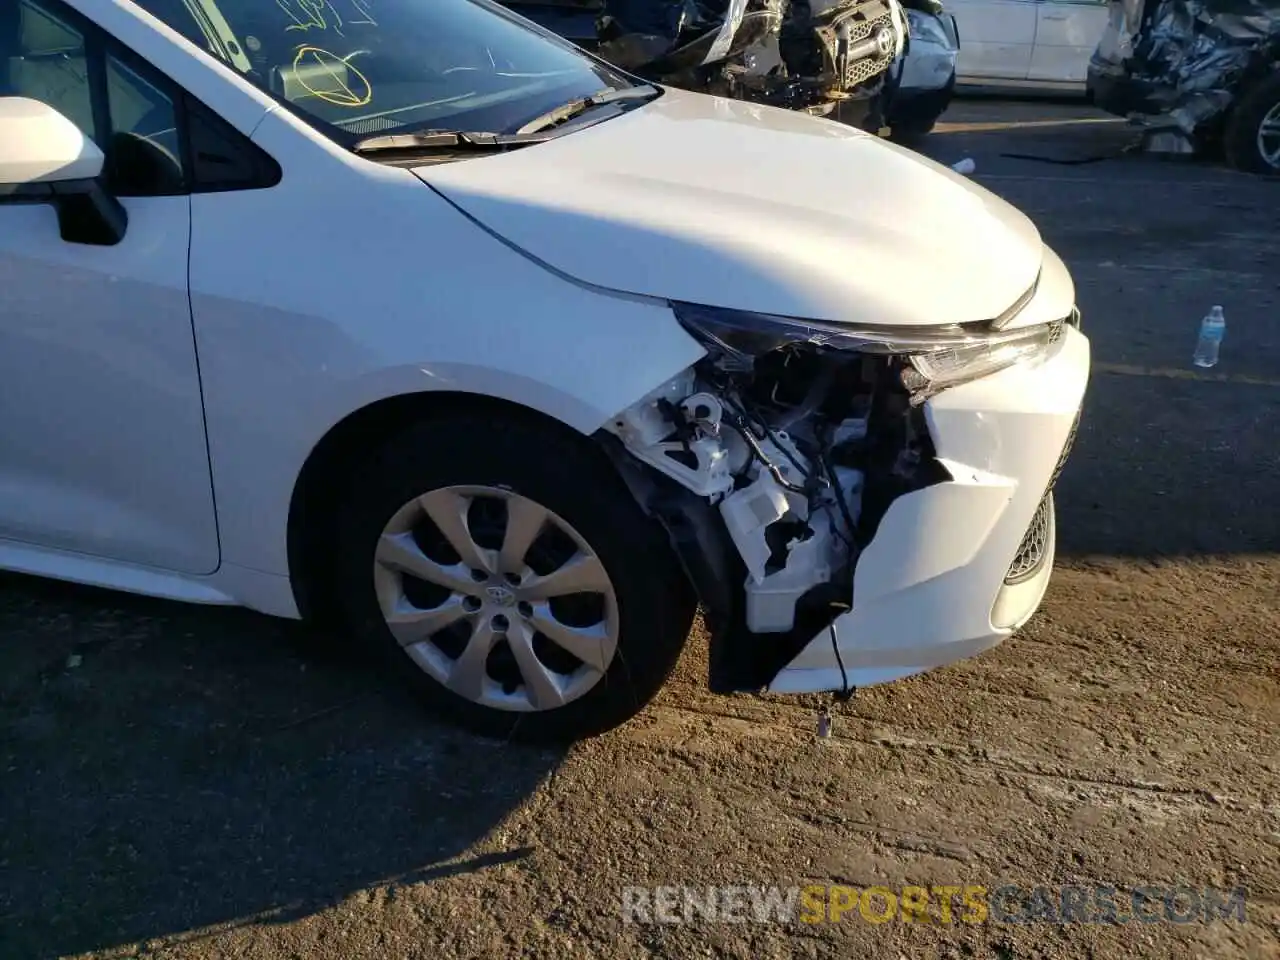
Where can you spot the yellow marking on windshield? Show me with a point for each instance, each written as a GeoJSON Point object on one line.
{"type": "Point", "coordinates": [343, 93]}
{"type": "Point", "coordinates": [363, 11]}
{"type": "Point", "coordinates": [312, 15]}
{"type": "Point", "coordinates": [323, 15]}
{"type": "Point", "coordinates": [297, 24]}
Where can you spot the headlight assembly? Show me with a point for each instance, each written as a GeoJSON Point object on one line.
{"type": "Point", "coordinates": [951, 365]}
{"type": "Point", "coordinates": [939, 356]}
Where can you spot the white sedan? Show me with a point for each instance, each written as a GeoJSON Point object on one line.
{"type": "Point", "coordinates": [409, 317]}
{"type": "Point", "coordinates": [1033, 44]}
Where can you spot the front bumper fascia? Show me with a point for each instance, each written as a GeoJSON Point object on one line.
{"type": "Point", "coordinates": [930, 588]}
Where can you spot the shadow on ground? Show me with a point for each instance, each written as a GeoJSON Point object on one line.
{"type": "Point", "coordinates": [1067, 141]}
{"type": "Point", "coordinates": [167, 768]}
{"type": "Point", "coordinates": [1050, 136]}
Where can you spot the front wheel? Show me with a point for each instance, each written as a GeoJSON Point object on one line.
{"type": "Point", "coordinates": [1252, 138]}
{"type": "Point", "coordinates": [507, 574]}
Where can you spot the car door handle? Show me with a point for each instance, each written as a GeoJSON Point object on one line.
{"type": "Point", "coordinates": [1056, 16]}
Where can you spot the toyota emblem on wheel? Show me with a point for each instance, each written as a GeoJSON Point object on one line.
{"type": "Point", "coordinates": [500, 596]}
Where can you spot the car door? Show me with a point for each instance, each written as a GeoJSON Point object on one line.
{"type": "Point", "coordinates": [1067, 32]}
{"type": "Point", "coordinates": [995, 39]}
{"type": "Point", "coordinates": [102, 441]}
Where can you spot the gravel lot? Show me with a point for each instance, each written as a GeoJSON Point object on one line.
{"type": "Point", "coordinates": [184, 782]}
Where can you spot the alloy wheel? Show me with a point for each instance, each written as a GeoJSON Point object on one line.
{"type": "Point", "coordinates": [496, 597]}
{"type": "Point", "coordinates": [1269, 137]}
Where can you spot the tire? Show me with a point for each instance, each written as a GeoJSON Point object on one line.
{"type": "Point", "coordinates": [488, 469]}
{"type": "Point", "coordinates": [911, 135]}
{"type": "Point", "coordinates": [1241, 142]}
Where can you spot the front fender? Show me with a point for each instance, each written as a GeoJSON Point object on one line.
{"type": "Point", "coordinates": [385, 290]}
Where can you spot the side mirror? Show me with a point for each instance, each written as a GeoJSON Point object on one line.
{"type": "Point", "coordinates": [40, 145]}
{"type": "Point", "coordinates": [44, 158]}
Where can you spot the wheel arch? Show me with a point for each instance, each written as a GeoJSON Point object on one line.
{"type": "Point", "coordinates": [1262, 73]}
{"type": "Point", "coordinates": [322, 478]}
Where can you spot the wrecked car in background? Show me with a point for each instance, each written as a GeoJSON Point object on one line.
{"type": "Point", "coordinates": [1204, 74]}
{"type": "Point", "coordinates": [799, 54]}
{"type": "Point", "coordinates": [921, 83]}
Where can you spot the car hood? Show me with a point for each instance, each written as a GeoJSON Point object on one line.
{"type": "Point", "coordinates": [735, 205]}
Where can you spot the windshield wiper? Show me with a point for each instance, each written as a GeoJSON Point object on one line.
{"type": "Point", "coordinates": [428, 140]}
{"type": "Point", "coordinates": [574, 108]}
{"type": "Point", "coordinates": [537, 130]}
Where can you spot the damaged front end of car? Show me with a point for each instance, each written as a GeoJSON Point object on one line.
{"type": "Point", "coordinates": [1180, 66]}
{"type": "Point", "coordinates": [799, 54]}
{"type": "Point", "coordinates": [772, 462]}
{"type": "Point", "coordinates": [830, 51]}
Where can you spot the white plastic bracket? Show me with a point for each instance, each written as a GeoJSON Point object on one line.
{"type": "Point", "coordinates": [644, 428]}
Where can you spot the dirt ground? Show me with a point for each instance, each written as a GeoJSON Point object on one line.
{"type": "Point", "coordinates": [183, 782]}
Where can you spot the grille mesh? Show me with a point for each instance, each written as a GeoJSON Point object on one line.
{"type": "Point", "coordinates": [1035, 542]}
{"type": "Point", "coordinates": [860, 71]}
{"type": "Point", "coordinates": [1066, 450]}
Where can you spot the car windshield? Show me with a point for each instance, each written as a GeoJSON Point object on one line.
{"type": "Point", "coordinates": [361, 68]}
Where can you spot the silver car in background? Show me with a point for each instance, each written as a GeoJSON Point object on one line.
{"type": "Point", "coordinates": [922, 82]}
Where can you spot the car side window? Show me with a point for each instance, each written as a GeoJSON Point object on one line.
{"type": "Point", "coordinates": [47, 60]}
{"type": "Point", "coordinates": [145, 153]}
{"type": "Point", "coordinates": [51, 58]}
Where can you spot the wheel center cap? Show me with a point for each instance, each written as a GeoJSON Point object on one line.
{"type": "Point", "coordinates": [500, 596]}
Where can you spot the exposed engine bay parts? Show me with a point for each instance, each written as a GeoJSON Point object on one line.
{"type": "Point", "coordinates": [784, 448]}
{"type": "Point", "coordinates": [1202, 74]}
{"type": "Point", "coordinates": [800, 54]}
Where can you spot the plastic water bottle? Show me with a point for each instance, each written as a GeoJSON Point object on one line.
{"type": "Point", "coordinates": [1212, 329]}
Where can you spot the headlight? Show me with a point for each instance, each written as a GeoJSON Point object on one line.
{"type": "Point", "coordinates": [940, 356]}
{"type": "Point", "coordinates": [952, 365]}
{"type": "Point", "coordinates": [927, 27]}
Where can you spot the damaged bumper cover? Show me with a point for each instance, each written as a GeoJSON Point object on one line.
{"type": "Point", "coordinates": [957, 567]}
{"type": "Point", "coordinates": [856, 505]}
{"type": "Point", "coordinates": [1183, 61]}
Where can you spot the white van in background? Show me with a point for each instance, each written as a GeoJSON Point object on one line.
{"type": "Point", "coordinates": [1036, 44]}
